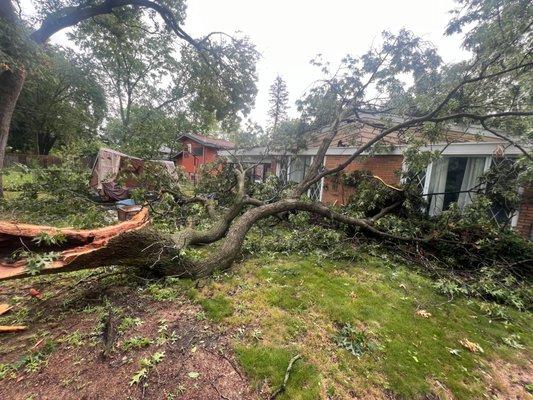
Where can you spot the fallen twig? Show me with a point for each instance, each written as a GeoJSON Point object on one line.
{"type": "Point", "coordinates": [217, 390]}
{"type": "Point", "coordinates": [283, 386]}
{"type": "Point", "coordinates": [4, 307]}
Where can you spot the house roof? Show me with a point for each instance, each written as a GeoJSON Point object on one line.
{"type": "Point", "coordinates": [208, 141]}
{"type": "Point", "coordinates": [353, 135]}
{"type": "Point", "coordinates": [356, 134]}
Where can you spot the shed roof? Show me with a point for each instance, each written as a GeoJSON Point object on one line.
{"type": "Point", "coordinates": [209, 141]}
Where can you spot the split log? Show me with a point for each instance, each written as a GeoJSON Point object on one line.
{"type": "Point", "coordinates": [133, 244]}
{"type": "Point", "coordinates": [81, 249]}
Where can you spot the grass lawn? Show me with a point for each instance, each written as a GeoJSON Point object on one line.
{"type": "Point", "coordinates": [362, 329]}
{"type": "Point", "coordinates": [13, 178]}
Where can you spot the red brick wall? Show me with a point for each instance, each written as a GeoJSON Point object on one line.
{"type": "Point", "coordinates": [385, 167]}
{"type": "Point", "coordinates": [525, 216]}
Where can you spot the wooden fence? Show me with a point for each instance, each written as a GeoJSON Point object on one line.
{"type": "Point", "coordinates": [30, 159]}
{"type": "Point", "coordinates": [43, 161]}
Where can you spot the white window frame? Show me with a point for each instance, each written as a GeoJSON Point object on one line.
{"type": "Point", "coordinates": [429, 169]}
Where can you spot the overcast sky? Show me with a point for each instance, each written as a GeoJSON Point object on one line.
{"type": "Point", "coordinates": [289, 33]}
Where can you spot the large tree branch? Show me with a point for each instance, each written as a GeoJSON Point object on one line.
{"type": "Point", "coordinates": [71, 16]}
{"type": "Point", "coordinates": [217, 231]}
{"type": "Point", "coordinates": [314, 175]}
{"type": "Point", "coordinates": [231, 246]}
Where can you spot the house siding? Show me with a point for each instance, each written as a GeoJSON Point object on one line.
{"type": "Point", "coordinates": [187, 161]}
{"type": "Point", "coordinates": [386, 167]}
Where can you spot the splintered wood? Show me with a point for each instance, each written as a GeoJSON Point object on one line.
{"type": "Point", "coordinates": [76, 244]}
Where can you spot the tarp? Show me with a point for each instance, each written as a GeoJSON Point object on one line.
{"type": "Point", "coordinates": [110, 163]}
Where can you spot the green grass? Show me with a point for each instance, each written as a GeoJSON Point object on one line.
{"type": "Point", "coordinates": [270, 364]}
{"type": "Point", "coordinates": [297, 305]}
{"type": "Point", "coordinates": [217, 308]}
{"type": "Point", "coordinates": [14, 178]}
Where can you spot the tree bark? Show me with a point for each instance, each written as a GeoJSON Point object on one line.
{"type": "Point", "coordinates": [11, 83]}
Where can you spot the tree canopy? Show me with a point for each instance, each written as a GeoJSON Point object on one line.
{"type": "Point", "coordinates": [61, 102]}
{"type": "Point", "coordinates": [278, 102]}
{"type": "Point", "coordinates": [158, 88]}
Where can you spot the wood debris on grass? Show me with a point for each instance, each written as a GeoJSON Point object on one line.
{"type": "Point", "coordinates": [12, 328]}
{"type": "Point", "coordinates": [4, 307]}
{"type": "Point", "coordinates": [423, 313]}
{"type": "Point", "coordinates": [471, 346]}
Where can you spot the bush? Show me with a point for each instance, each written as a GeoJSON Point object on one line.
{"type": "Point", "coordinates": [58, 195]}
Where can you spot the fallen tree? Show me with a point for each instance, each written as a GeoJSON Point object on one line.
{"type": "Point", "coordinates": [74, 248]}
{"type": "Point", "coordinates": [482, 91]}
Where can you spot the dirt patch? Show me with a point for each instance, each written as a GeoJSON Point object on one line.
{"type": "Point", "coordinates": [197, 361]}
{"type": "Point", "coordinates": [508, 381]}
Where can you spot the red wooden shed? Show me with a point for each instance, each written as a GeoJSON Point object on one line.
{"type": "Point", "coordinates": [198, 150]}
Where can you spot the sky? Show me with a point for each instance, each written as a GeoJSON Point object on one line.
{"type": "Point", "coordinates": [289, 33]}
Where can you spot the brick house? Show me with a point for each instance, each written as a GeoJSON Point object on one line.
{"type": "Point", "coordinates": [467, 152]}
{"type": "Point", "coordinates": [198, 150]}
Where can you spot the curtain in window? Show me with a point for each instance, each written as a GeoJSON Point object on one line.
{"type": "Point", "coordinates": [437, 184]}
{"type": "Point", "coordinates": [298, 167]}
{"type": "Point", "coordinates": [473, 170]}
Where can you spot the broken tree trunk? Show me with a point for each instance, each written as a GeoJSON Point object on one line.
{"type": "Point", "coordinates": [82, 248]}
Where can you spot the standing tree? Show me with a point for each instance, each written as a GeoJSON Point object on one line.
{"type": "Point", "coordinates": [61, 102]}
{"type": "Point", "coordinates": [158, 89]}
{"type": "Point", "coordinates": [19, 42]}
{"type": "Point", "coordinates": [279, 97]}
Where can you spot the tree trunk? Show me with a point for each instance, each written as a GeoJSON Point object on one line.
{"type": "Point", "coordinates": [10, 86]}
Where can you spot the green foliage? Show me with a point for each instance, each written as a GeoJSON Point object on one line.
{"type": "Point", "coordinates": [136, 342]}
{"type": "Point", "coordinates": [58, 195]}
{"type": "Point", "coordinates": [492, 284]}
{"type": "Point", "coordinates": [129, 322]}
{"type": "Point", "coordinates": [15, 48]}
{"type": "Point", "coordinates": [146, 365]}
{"type": "Point", "coordinates": [279, 97]}
{"type": "Point", "coordinates": [30, 363]}
{"type": "Point", "coordinates": [300, 238]}
{"type": "Point", "coordinates": [217, 180]}
{"type": "Point", "coordinates": [370, 196]}
{"type": "Point", "coordinates": [60, 103]}
{"type": "Point", "coordinates": [139, 376]}
{"type": "Point", "coordinates": [133, 55]}
{"type": "Point", "coordinates": [163, 292]}
{"type": "Point", "coordinates": [351, 339]}
{"type": "Point", "coordinates": [290, 136]}
{"type": "Point", "coordinates": [47, 239]}
{"type": "Point", "coordinates": [35, 262]}
{"type": "Point", "coordinates": [75, 339]}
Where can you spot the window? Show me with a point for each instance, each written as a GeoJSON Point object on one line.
{"type": "Point", "coordinates": [454, 180]}
{"type": "Point", "coordinates": [502, 175]}
{"type": "Point", "coordinates": [298, 167]}
{"type": "Point", "coordinates": [198, 151]}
